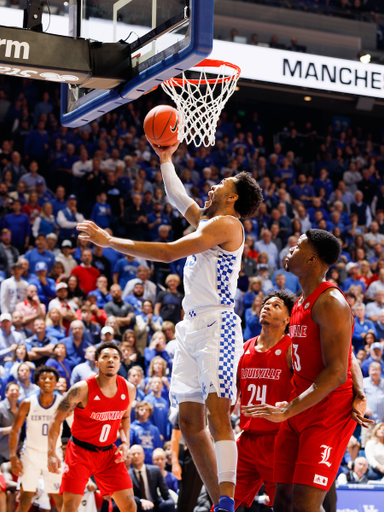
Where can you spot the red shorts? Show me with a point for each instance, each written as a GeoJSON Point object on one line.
{"type": "Point", "coordinates": [254, 467]}
{"type": "Point", "coordinates": [80, 464]}
{"type": "Point", "coordinates": [310, 446]}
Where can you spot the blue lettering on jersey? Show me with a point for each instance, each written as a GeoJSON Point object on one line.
{"type": "Point", "coordinates": [191, 260]}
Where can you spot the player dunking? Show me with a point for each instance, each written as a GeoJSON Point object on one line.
{"type": "Point", "coordinates": [264, 376]}
{"type": "Point", "coordinates": [101, 408]}
{"type": "Point", "coordinates": [37, 410]}
{"type": "Point", "coordinates": [209, 338]}
{"type": "Point", "coordinates": [311, 442]}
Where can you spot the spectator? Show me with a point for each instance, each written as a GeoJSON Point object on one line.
{"type": "Point", "coordinates": [59, 361]}
{"type": "Point", "coordinates": [159, 459]}
{"type": "Point", "coordinates": [32, 207]}
{"type": "Point", "coordinates": [30, 179]}
{"type": "Point", "coordinates": [168, 302]}
{"type": "Point", "coordinates": [86, 274]}
{"type": "Point", "coordinates": [135, 377]}
{"type": "Point", "coordinates": [280, 284]}
{"type": "Point", "coordinates": [375, 356]}
{"type": "Point", "coordinates": [357, 475]}
{"type": "Point", "coordinates": [252, 324]}
{"type": "Point", "coordinates": [160, 412]}
{"type": "Point", "coordinates": [123, 312]}
{"type": "Point", "coordinates": [158, 368]}
{"type": "Point", "coordinates": [156, 348]}
{"type": "Point", "coordinates": [9, 339]}
{"type": "Point", "coordinates": [13, 290]}
{"type": "Point", "coordinates": [136, 298]}
{"type": "Point", "coordinates": [16, 167]}
{"type": "Point", "coordinates": [267, 246]}
{"type": "Point", "coordinates": [76, 295]}
{"type": "Point", "coordinates": [143, 432]}
{"type": "Point", "coordinates": [8, 253]}
{"type": "Point", "coordinates": [376, 285]}
{"type": "Point", "coordinates": [128, 352]}
{"type": "Point", "coordinates": [65, 257]}
{"type": "Point", "coordinates": [101, 262]}
{"type": "Point", "coordinates": [101, 213]}
{"type": "Point", "coordinates": [8, 410]}
{"type": "Point", "coordinates": [142, 276]}
{"type": "Point", "coordinates": [26, 386]}
{"type": "Point", "coordinates": [362, 326]}
{"type": "Point", "coordinates": [40, 254]}
{"type": "Point", "coordinates": [101, 292]}
{"type": "Point", "coordinates": [379, 326]}
{"type": "Point", "coordinates": [248, 263]}
{"type": "Point", "coordinates": [363, 211]}
{"type": "Point", "coordinates": [146, 324]}
{"type": "Point", "coordinates": [135, 219]}
{"type": "Point", "coordinates": [17, 326]}
{"type": "Point", "coordinates": [150, 489]}
{"type": "Point", "coordinates": [68, 218]}
{"type": "Point", "coordinates": [41, 343]}
{"type": "Point", "coordinates": [45, 222]}
{"type": "Point", "coordinates": [374, 450]}
{"type": "Point", "coordinates": [130, 338]}
{"type": "Point", "coordinates": [31, 308]}
{"type": "Point", "coordinates": [19, 225]}
{"type": "Point", "coordinates": [112, 322]}
{"type": "Point", "coordinates": [91, 329]}
{"type": "Point", "coordinates": [124, 270]}
{"type": "Point", "coordinates": [46, 288]}
{"type": "Point", "coordinates": [352, 269]}
{"type": "Point", "coordinates": [84, 370]}
{"type": "Point", "coordinates": [374, 389]}
{"type": "Point", "coordinates": [76, 344]}
{"type": "Point", "coordinates": [62, 304]}
{"type": "Point", "coordinates": [374, 309]}
{"type": "Point", "coordinates": [54, 323]}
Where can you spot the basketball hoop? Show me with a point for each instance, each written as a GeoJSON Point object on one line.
{"type": "Point", "coordinates": [201, 98]}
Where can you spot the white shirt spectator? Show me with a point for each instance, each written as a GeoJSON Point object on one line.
{"type": "Point", "coordinates": [110, 164]}
{"type": "Point", "coordinates": [374, 287]}
{"type": "Point", "coordinates": [374, 451]}
{"type": "Point", "coordinates": [373, 309]}
{"type": "Point", "coordinates": [67, 224]}
{"type": "Point", "coordinates": [80, 169]}
{"type": "Point", "coordinates": [12, 292]}
{"type": "Point", "coordinates": [270, 249]}
{"type": "Point", "coordinates": [68, 263]}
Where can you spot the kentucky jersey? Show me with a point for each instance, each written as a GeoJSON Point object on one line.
{"type": "Point", "coordinates": [264, 379]}
{"type": "Point", "coordinates": [210, 278]}
{"type": "Point", "coordinates": [37, 424]}
{"type": "Point", "coordinates": [307, 358]}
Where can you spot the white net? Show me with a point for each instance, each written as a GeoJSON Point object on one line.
{"type": "Point", "coordinates": [201, 99]}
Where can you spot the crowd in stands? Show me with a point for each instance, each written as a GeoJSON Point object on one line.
{"type": "Point", "coordinates": [60, 297]}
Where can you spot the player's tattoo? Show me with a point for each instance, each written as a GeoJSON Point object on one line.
{"type": "Point", "coordinates": [69, 401]}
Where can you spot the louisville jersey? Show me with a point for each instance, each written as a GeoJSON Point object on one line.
{"type": "Point", "coordinates": [98, 423]}
{"type": "Point", "coordinates": [37, 424]}
{"type": "Point", "coordinates": [210, 277]}
{"type": "Point", "coordinates": [264, 379]}
{"type": "Point", "coordinates": [307, 357]}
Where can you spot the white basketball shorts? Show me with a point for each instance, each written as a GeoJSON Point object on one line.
{"type": "Point", "coordinates": [209, 346]}
{"type": "Point", "coordinates": [35, 465]}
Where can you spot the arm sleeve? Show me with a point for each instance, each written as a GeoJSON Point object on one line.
{"type": "Point", "coordinates": [174, 189]}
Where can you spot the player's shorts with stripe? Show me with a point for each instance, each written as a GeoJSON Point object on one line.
{"type": "Point", "coordinates": [34, 466]}
{"type": "Point", "coordinates": [310, 446]}
{"type": "Point", "coordinates": [254, 467]}
{"type": "Point", "coordinates": [80, 464]}
{"type": "Point", "coordinates": [209, 346]}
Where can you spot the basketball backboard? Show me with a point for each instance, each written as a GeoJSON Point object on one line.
{"type": "Point", "coordinates": [165, 37]}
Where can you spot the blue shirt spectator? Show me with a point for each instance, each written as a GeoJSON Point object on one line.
{"type": "Point", "coordinates": [145, 434]}
{"type": "Point", "coordinates": [159, 415]}
{"type": "Point", "coordinates": [361, 327]}
{"type": "Point", "coordinates": [41, 343]}
{"type": "Point", "coordinates": [375, 356]}
{"type": "Point", "coordinates": [374, 389]}
{"type": "Point", "coordinates": [267, 246]}
{"type": "Point", "coordinates": [19, 225]}
{"type": "Point", "coordinates": [60, 362]}
{"type": "Point", "coordinates": [84, 370]}
{"type": "Point", "coordinates": [76, 344]}
{"type": "Point", "coordinates": [8, 337]}
{"type": "Point", "coordinates": [46, 287]}
{"type": "Point", "coordinates": [124, 270]}
{"type": "Point", "coordinates": [101, 212]}
{"type": "Point", "coordinates": [37, 142]}
{"type": "Point", "coordinates": [252, 325]}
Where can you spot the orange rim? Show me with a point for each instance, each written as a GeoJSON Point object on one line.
{"type": "Point", "coordinates": [209, 63]}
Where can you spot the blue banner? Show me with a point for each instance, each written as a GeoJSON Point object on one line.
{"type": "Point", "coordinates": [360, 498]}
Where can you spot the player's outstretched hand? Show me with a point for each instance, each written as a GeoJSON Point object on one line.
{"type": "Point", "coordinates": [359, 407]}
{"type": "Point", "coordinates": [92, 233]}
{"type": "Point", "coordinates": [54, 463]}
{"type": "Point", "coordinates": [122, 453]}
{"type": "Point", "coordinates": [164, 152]}
{"type": "Point", "coordinates": [269, 412]}
{"type": "Point", "coordinates": [16, 466]}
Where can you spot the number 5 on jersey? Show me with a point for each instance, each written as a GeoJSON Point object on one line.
{"type": "Point", "coordinates": [259, 391]}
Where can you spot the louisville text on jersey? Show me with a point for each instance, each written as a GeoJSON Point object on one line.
{"type": "Point", "coordinates": [260, 373]}
{"type": "Point", "coordinates": [107, 416]}
{"type": "Point", "coordinates": [298, 331]}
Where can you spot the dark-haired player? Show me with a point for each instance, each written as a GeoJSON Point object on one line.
{"type": "Point", "coordinates": [101, 405]}
{"type": "Point", "coordinates": [37, 410]}
{"type": "Point", "coordinates": [264, 376]}
{"type": "Point", "coordinates": [209, 338]}
{"type": "Point", "coordinates": [311, 442]}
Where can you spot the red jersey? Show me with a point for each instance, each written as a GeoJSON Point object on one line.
{"type": "Point", "coordinates": [99, 422]}
{"type": "Point", "coordinates": [306, 348]}
{"type": "Point", "coordinates": [264, 379]}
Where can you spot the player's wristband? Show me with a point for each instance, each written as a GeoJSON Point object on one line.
{"type": "Point", "coordinates": [175, 189]}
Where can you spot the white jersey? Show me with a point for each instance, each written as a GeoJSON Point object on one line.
{"type": "Point", "coordinates": [210, 278]}
{"type": "Point", "coordinates": [37, 424]}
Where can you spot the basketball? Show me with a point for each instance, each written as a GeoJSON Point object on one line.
{"type": "Point", "coordinates": [161, 125]}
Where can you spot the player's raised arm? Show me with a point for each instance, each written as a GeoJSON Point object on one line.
{"type": "Point", "coordinates": [174, 188]}
{"type": "Point", "coordinates": [22, 413]}
{"type": "Point", "coordinates": [77, 394]}
{"type": "Point", "coordinates": [123, 450]}
{"type": "Point", "coordinates": [216, 231]}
